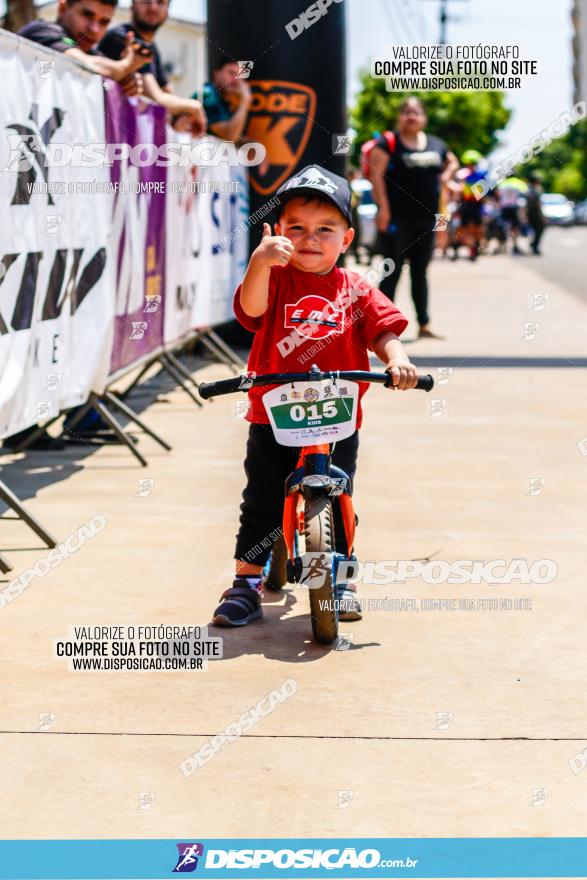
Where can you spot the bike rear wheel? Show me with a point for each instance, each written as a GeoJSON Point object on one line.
{"type": "Point", "coordinates": [319, 535]}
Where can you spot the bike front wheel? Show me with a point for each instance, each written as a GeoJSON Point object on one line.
{"type": "Point", "coordinates": [319, 535]}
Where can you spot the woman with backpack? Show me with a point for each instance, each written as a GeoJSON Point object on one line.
{"type": "Point", "coordinates": [407, 168]}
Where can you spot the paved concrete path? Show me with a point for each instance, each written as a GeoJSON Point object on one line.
{"type": "Point", "coordinates": [440, 722]}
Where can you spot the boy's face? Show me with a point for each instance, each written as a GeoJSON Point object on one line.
{"type": "Point", "coordinates": [318, 232]}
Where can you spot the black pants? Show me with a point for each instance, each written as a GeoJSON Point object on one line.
{"type": "Point", "coordinates": [538, 230]}
{"type": "Point", "coordinates": [414, 241]}
{"type": "Point", "coordinates": [267, 466]}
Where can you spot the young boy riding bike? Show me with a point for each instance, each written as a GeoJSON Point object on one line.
{"type": "Point", "coordinates": [303, 309]}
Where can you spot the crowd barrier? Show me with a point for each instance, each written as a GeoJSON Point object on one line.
{"type": "Point", "coordinates": [103, 266]}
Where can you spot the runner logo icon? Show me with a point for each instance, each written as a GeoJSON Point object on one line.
{"type": "Point", "coordinates": [187, 860]}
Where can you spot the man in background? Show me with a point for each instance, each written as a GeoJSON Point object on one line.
{"type": "Point", "coordinates": [219, 97]}
{"type": "Point", "coordinates": [147, 16]}
{"type": "Point", "coordinates": [80, 26]}
{"type": "Point", "coordinates": [536, 219]}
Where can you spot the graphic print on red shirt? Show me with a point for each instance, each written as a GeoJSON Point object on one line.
{"type": "Point", "coordinates": [314, 317]}
{"type": "Point", "coordinates": [329, 320]}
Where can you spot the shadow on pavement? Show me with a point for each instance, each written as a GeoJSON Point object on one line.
{"type": "Point", "coordinates": [28, 473]}
{"type": "Point", "coordinates": [280, 637]}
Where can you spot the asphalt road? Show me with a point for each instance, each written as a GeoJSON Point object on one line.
{"type": "Point", "coordinates": [564, 258]}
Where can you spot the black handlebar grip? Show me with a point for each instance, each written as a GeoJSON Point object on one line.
{"type": "Point", "coordinates": [223, 386]}
{"type": "Point", "coordinates": [425, 383]}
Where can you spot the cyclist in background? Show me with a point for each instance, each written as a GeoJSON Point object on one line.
{"type": "Point", "coordinates": [471, 208]}
{"type": "Point", "coordinates": [509, 195]}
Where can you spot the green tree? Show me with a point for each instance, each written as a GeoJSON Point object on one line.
{"type": "Point", "coordinates": [465, 120]}
{"type": "Point", "coordinates": [563, 164]}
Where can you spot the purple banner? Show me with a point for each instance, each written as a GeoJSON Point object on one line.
{"type": "Point", "coordinates": [138, 226]}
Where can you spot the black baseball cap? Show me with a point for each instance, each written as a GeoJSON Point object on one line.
{"type": "Point", "coordinates": [312, 181]}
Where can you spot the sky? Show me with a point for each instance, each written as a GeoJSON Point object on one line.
{"type": "Point", "coordinates": [541, 28]}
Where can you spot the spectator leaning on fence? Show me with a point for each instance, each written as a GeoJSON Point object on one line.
{"type": "Point", "coordinates": [80, 26]}
{"type": "Point", "coordinates": [147, 18]}
{"type": "Point", "coordinates": [218, 96]}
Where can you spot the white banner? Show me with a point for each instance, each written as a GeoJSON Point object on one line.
{"type": "Point", "coordinates": [56, 294]}
{"type": "Point", "coordinates": [188, 247]}
{"type": "Point", "coordinates": [207, 244]}
{"type": "Point", "coordinates": [230, 243]}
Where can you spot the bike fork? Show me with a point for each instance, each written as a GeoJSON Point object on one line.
{"type": "Point", "coordinates": [314, 476]}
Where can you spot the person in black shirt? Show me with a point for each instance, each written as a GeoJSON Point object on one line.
{"type": "Point", "coordinates": [147, 18]}
{"type": "Point", "coordinates": [79, 28]}
{"type": "Point", "coordinates": [406, 187]}
{"type": "Point", "coordinates": [536, 219]}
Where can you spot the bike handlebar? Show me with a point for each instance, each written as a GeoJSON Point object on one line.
{"type": "Point", "coordinates": [244, 383]}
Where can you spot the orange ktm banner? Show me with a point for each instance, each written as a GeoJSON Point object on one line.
{"type": "Point", "coordinates": [281, 118]}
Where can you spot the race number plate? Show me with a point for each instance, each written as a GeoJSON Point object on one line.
{"type": "Point", "coordinates": [307, 413]}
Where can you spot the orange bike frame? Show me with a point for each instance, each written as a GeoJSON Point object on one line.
{"type": "Point", "coordinates": [293, 508]}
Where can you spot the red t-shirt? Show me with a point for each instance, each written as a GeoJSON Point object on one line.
{"type": "Point", "coordinates": [329, 320]}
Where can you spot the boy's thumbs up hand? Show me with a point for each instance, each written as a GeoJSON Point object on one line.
{"type": "Point", "coordinates": [274, 250]}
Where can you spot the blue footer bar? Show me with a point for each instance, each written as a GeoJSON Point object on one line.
{"type": "Point", "coordinates": [382, 858]}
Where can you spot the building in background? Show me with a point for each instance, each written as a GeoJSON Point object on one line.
{"type": "Point", "coordinates": [579, 18]}
{"type": "Point", "coordinates": [182, 45]}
